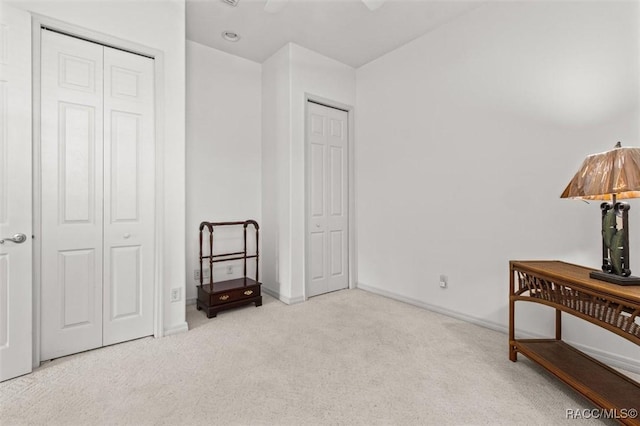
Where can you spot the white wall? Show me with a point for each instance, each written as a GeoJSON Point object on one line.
{"type": "Point", "coordinates": [313, 74]}
{"type": "Point", "coordinates": [293, 71]}
{"type": "Point", "coordinates": [276, 139]}
{"type": "Point", "coordinates": [160, 25]}
{"type": "Point", "coordinates": [223, 150]}
{"type": "Point", "coordinates": [467, 136]}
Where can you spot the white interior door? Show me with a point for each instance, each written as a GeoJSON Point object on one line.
{"type": "Point", "coordinates": [15, 193]}
{"type": "Point", "coordinates": [72, 195]}
{"type": "Point", "coordinates": [98, 157]}
{"type": "Point", "coordinates": [129, 162]}
{"type": "Point", "coordinates": [327, 174]}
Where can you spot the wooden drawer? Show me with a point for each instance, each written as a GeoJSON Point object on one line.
{"type": "Point", "coordinates": [227, 295]}
{"type": "Point", "coordinates": [234, 295]}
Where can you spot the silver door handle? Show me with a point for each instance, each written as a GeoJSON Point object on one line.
{"type": "Point", "coordinates": [17, 238]}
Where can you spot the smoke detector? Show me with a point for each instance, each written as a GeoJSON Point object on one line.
{"type": "Point", "coordinates": [232, 3]}
{"type": "Point", "coordinates": [230, 36]}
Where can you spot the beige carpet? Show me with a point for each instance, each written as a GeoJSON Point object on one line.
{"type": "Point", "coordinates": [349, 357]}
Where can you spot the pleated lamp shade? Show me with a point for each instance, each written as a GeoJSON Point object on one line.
{"type": "Point", "coordinates": [605, 174]}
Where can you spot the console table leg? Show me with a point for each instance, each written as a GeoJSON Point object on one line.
{"type": "Point", "coordinates": [513, 354]}
{"type": "Point", "coordinates": [558, 324]}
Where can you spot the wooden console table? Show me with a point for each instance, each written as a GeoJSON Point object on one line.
{"type": "Point", "coordinates": [568, 288]}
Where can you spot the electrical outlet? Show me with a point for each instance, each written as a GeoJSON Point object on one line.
{"type": "Point", "coordinates": [229, 270]}
{"type": "Point", "coordinates": [205, 274]}
{"type": "Point", "coordinates": [444, 281]}
{"type": "Point", "coordinates": [175, 294]}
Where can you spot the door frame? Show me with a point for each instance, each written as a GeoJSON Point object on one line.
{"type": "Point", "coordinates": [37, 23]}
{"type": "Point", "coordinates": [351, 205]}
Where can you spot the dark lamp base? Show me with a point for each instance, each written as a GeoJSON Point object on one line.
{"type": "Point", "coordinates": [615, 279]}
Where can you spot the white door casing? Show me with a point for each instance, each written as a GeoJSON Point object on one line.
{"type": "Point", "coordinates": [328, 219]}
{"type": "Point", "coordinates": [15, 193]}
{"type": "Point", "coordinates": [98, 156]}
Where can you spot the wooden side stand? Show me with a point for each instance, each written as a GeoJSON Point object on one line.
{"type": "Point", "coordinates": [219, 296]}
{"type": "Point", "coordinates": [568, 288]}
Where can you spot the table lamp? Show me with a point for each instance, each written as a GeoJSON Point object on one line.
{"type": "Point", "coordinates": [610, 176]}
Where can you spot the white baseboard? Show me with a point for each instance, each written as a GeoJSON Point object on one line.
{"type": "Point", "coordinates": [283, 299]}
{"type": "Point", "coordinates": [609, 358]}
{"type": "Point", "coordinates": [294, 300]}
{"type": "Point", "coordinates": [180, 328]}
{"type": "Point", "coordinates": [438, 309]}
{"type": "Point", "coordinates": [190, 301]}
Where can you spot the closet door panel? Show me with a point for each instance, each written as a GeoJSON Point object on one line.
{"type": "Point", "coordinates": [125, 285]}
{"type": "Point", "coordinates": [129, 160]}
{"type": "Point", "coordinates": [125, 173]}
{"type": "Point", "coordinates": [72, 193]}
{"type": "Point", "coordinates": [76, 163]}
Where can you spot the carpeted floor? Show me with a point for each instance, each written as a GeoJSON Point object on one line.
{"type": "Point", "coordinates": [349, 357]}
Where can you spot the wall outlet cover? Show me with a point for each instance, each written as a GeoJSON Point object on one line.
{"type": "Point", "coordinates": [175, 294]}
{"type": "Point", "coordinates": [205, 274]}
{"type": "Point", "coordinates": [444, 281]}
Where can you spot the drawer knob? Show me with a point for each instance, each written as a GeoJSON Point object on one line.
{"type": "Point", "coordinates": [248, 292]}
{"type": "Point", "coordinates": [224, 297]}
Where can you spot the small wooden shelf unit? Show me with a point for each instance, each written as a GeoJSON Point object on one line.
{"type": "Point", "coordinates": [568, 288]}
{"type": "Point", "coordinates": [216, 297]}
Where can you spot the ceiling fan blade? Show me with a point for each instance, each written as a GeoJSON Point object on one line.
{"type": "Point", "coordinates": [373, 4]}
{"type": "Point", "coordinates": [274, 6]}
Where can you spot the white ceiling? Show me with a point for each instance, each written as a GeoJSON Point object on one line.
{"type": "Point", "coordinates": [345, 30]}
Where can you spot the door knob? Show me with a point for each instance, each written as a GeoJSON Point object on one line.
{"type": "Point", "coordinates": [126, 236]}
{"type": "Point", "coordinates": [317, 225]}
{"type": "Point", "coordinates": [17, 238]}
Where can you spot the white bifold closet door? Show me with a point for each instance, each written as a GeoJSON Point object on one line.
{"type": "Point", "coordinates": [97, 185]}
{"type": "Point", "coordinates": [328, 216]}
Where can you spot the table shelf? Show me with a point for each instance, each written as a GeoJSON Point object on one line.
{"type": "Point", "coordinates": [568, 288]}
